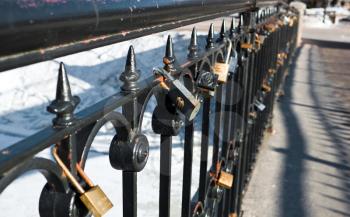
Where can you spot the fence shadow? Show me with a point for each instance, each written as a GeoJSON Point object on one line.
{"type": "Point", "coordinates": [334, 118]}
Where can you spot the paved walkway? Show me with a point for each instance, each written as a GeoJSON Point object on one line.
{"type": "Point", "coordinates": [304, 169]}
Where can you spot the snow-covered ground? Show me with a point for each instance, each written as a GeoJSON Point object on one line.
{"type": "Point", "coordinates": [314, 16]}
{"type": "Point", "coordinates": [25, 92]}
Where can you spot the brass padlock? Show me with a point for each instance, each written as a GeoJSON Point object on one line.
{"type": "Point", "coordinates": [291, 22]}
{"type": "Point", "coordinates": [246, 46]}
{"type": "Point", "coordinates": [94, 198]}
{"type": "Point", "coordinates": [280, 23]}
{"type": "Point", "coordinates": [262, 38]}
{"type": "Point", "coordinates": [271, 72]}
{"type": "Point", "coordinates": [232, 214]}
{"type": "Point", "coordinates": [225, 180]}
{"type": "Point", "coordinates": [257, 42]}
{"type": "Point", "coordinates": [280, 59]}
{"type": "Point", "coordinates": [270, 27]}
{"type": "Point", "coordinates": [266, 88]}
{"type": "Point", "coordinates": [221, 69]}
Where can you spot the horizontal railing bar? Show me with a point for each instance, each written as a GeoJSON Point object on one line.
{"type": "Point", "coordinates": [26, 148]}
{"type": "Point", "coordinates": [52, 30]}
{"type": "Point", "coordinates": [35, 143]}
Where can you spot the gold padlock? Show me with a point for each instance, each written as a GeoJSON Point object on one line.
{"type": "Point", "coordinates": [246, 46]}
{"type": "Point", "coordinates": [225, 180]}
{"type": "Point", "coordinates": [291, 22]}
{"type": "Point", "coordinates": [94, 198]}
{"type": "Point", "coordinates": [221, 69]}
{"type": "Point", "coordinates": [272, 71]}
{"type": "Point", "coordinates": [266, 88]}
{"type": "Point", "coordinates": [280, 60]}
{"type": "Point", "coordinates": [257, 42]}
{"type": "Point", "coordinates": [280, 23]}
{"type": "Point", "coordinates": [270, 27]}
{"type": "Point", "coordinates": [233, 214]}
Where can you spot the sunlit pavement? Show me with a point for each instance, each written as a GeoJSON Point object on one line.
{"type": "Point", "coordinates": [304, 169]}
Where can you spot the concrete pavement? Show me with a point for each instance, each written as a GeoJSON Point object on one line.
{"type": "Point", "coordinates": [304, 169]}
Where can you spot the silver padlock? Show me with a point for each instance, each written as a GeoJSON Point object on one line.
{"type": "Point", "coordinates": [259, 105]}
{"type": "Point", "coordinates": [185, 102]}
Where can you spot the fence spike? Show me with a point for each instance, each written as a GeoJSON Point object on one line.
{"type": "Point", "coordinates": [131, 75]}
{"type": "Point", "coordinates": [64, 104]}
{"type": "Point", "coordinates": [169, 58]}
{"type": "Point", "coordinates": [232, 28]}
{"type": "Point", "coordinates": [169, 52]}
{"type": "Point", "coordinates": [210, 38]}
{"type": "Point", "coordinates": [193, 47]}
{"type": "Point", "coordinates": [223, 30]}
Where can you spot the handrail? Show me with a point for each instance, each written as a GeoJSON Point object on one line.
{"type": "Point", "coordinates": [33, 31]}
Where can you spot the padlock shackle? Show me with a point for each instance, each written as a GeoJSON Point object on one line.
{"type": "Point", "coordinates": [84, 176]}
{"type": "Point", "coordinates": [66, 171]}
{"type": "Point", "coordinates": [229, 51]}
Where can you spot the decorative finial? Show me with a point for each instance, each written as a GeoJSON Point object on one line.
{"type": "Point", "coordinates": [193, 48]}
{"type": "Point", "coordinates": [169, 58]}
{"type": "Point", "coordinates": [64, 104]}
{"type": "Point", "coordinates": [210, 38]}
{"type": "Point", "coordinates": [131, 75]}
{"type": "Point", "coordinates": [232, 28]}
{"type": "Point", "coordinates": [223, 31]}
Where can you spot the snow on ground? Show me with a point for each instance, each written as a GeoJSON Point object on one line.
{"type": "Point", "coordinates": [314, 16]}
{"type": "Point", "coordinates": [25, 92]}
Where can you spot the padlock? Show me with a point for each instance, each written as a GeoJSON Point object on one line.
{"type": "Point", "coordinates": [207, 81]}
{"type": "Point", "coordinates": [232, 214]}
{"type": "Point", "coordinates": [94, 199]}
{"type": "Point", "coordinates": [257, 42]}
{"type": "Point", "coordinates": [253, 115]}
{"type": "Point", "coordinates": [280, 59]}
{"type": "Point", "coordinates": [265, 87]}
{"type": "Point", "coordinates": [280, 23]}
{"type": "Point", "coordinates": [259, 105]}
{"type": "Point", "coordinates": [184, 101]}
{"type": "Point", "coordinates": [270, 27]}
{"type": "Point", "coordinates": [164, 121]}
{"type": "Point", "coordinates": [221, 177]}
{"type": "Point", "coordinates": [221, 69]}
{"type": "Point", "coordinates": [284, 55]}
{"type": "Point", "coordinates": [271, 72]}
{"type": "Point", "coordinates": [225, 180]}
{"type": "Point", "coordinates": [246, 46]}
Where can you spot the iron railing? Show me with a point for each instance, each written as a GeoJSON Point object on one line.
{"type": "Point", "coordinates": [257, 51]}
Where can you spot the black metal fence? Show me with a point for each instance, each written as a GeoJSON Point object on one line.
{"type": "Point", "coordinates": [241, 72]}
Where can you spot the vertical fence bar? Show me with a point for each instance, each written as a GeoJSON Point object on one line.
{"type": "Point", "coordinates": [187, 171]}
{"type": "Point", "coordinates": [165, 175]}
{"type": "Point", "coordinates": [131, 112]}
{"type": "Point", "coordinates": [204, 149]}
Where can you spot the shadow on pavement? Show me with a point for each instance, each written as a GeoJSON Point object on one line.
{"type": "Point", "coordinates": [334, 119]}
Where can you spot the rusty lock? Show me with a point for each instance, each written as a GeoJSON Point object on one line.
{"type": "Point", "coordinates": [221, 69]}
{"type": "Point", "coordinates": [222, 178]}
{"type": "Point", "coordinates": [225, 180]}
{"type": "Point", "coordinates": [94, 198]}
